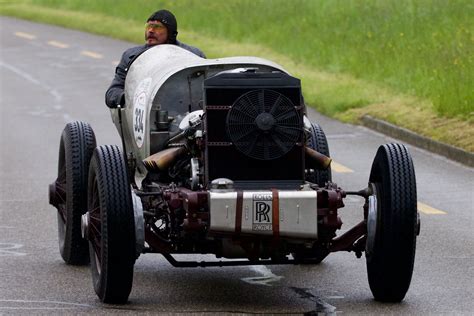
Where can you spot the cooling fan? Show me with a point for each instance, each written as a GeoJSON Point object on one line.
{"type": "Point", "coordinates": [263, 124]}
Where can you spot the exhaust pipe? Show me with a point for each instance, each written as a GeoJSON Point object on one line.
{"type": "Point", "coordinates": [164, 159]}
{"type": "Point", "coordinates": [316, 159]}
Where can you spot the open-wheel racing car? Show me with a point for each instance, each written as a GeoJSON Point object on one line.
{"type": "Point", "coordinates": [220, 158]}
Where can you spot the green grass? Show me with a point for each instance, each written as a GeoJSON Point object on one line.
{"type": "Point", "coordinates": [419, 47]}
{"type": "Point", "coordinates": [407, 61]}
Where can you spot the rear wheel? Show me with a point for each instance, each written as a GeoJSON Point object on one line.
{"type": "Point", "coordinates": [70, 190]}
{"type": "Point", "coordinates": [318, 142]}
{"type": "Point", "coordinates": [392, 223]}
{"type": "Point", "coordinates": [110, 226]}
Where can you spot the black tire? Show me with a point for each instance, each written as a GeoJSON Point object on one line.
{"type": "Point", "coordinates": [111, 226]}
{"type": "Point", "coordinates": [319, 143]}
{"type": "Point", "coordinates": [391, 255]}
{"type": "Point", "coordinates": [75, 151]}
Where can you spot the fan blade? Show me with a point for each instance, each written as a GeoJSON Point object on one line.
{"type": "Point", "coordinates": [276, 105]}
{"type": "Point", "coordinates": [243, 112]}
{"type": "Point", "coordinates": [250, 149]}
{"type": "Point", "coordinates": [289, 133]}
{"type": "Point", "coordinates": [248, 104]}
{"type": "Point", "coordinates": [245, 134]}
{"type": "Point", "coordinates": [279, 143]}
{"type": "Point", "coordinates": [286, 115]}
{"type": "Point", "coordinates": [234, 123]}
{"type": "Point", "coordinates": [261, 101]}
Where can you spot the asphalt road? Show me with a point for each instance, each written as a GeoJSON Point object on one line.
{"type": "Point", "coordinates": [50, 76]}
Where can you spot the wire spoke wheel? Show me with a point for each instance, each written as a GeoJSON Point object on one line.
{"type": "Point", "coordinates": [75, 151]}
{"type": "Point", "coordinates": [95, 235]}
{"type": "Point", "coordinates": [392, 224]}
{"type": "Point", "coordinates": [111, 226]}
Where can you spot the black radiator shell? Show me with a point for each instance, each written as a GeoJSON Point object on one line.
{"type": "Point", "coordinates": [222, 159]}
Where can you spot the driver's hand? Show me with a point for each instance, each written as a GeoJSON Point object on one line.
{"type": "Point", "coordinates": [122, 100]}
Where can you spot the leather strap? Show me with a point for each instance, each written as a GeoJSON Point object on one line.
{"type": "Point", "coordinates": [275, 214]}
{"type": "Point", "coordinates": [238, 212]}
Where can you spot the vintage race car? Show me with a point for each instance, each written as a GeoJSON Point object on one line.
{"type": "Point", "coordinates": [218, 157]}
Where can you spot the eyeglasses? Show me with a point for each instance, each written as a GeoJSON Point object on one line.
{"type": "Point", "coordinates": [154, 26]}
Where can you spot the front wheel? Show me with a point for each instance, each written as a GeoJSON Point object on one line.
{"type": "Point", "coordinates": [392, 223]}
{"type": "Point", "coordinates": [110, 226]}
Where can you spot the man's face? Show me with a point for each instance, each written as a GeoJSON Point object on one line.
{"type": "Point", "coordinates": [155, 33]}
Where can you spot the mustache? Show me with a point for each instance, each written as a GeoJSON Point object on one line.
{"type": "Point", "coordinates": [150, 35]}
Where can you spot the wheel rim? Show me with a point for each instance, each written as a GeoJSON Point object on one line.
{"type": "Point", "coordinates": [371, 220]}
{"type": "Point", "coordinates": [61, 183]}
{"type": "Point", "coordinates": [95, 231]}
{"type": "Point", "coordinates": [61, 196]}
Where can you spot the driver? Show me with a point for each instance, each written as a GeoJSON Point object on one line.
{"type": "Point", "coordinates": [161, 28]}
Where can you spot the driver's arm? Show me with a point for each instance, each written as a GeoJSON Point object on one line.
{"type": "Point", "coordinates": [115, 93]}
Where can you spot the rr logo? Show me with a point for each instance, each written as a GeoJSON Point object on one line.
{"type": "Point", "coordinates": [261, 212]}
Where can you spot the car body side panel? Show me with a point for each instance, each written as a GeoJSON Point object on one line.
{"type": "Point", "coordinates": [167, 77]}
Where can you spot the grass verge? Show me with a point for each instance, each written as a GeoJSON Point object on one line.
{"type": "Point", "coordinates": [336, 94]}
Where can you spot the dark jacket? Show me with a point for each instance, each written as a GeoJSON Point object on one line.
{"type": "Point", "coordinates": [115, 93]}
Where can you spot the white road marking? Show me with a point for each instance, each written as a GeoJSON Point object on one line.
{"type": "Point", "coordinates": [265, 279]}
{"type": "Point", "coordinates": [322, 307]}
{"type": "Point", "coordinates": [424, 208]}
{"type": "Point", "coordinates": [90, 54]}
{"type": "Point", "coordinates": [21, 73]}
{"type": "Point", "coordinates": [58, 44]}
{"type": "Point", "coordinates": [34, 308]}
{"type": "Point", "coordinates": [115, 62]}
{"type": "Point", "coordinates": [8, 249]}
{"type": "Point", "coordinates": [65, 305]}
{"type": "Point", "coordinates": [25, 35]}
{"type": "Point", "coordinates": [53, 92]}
